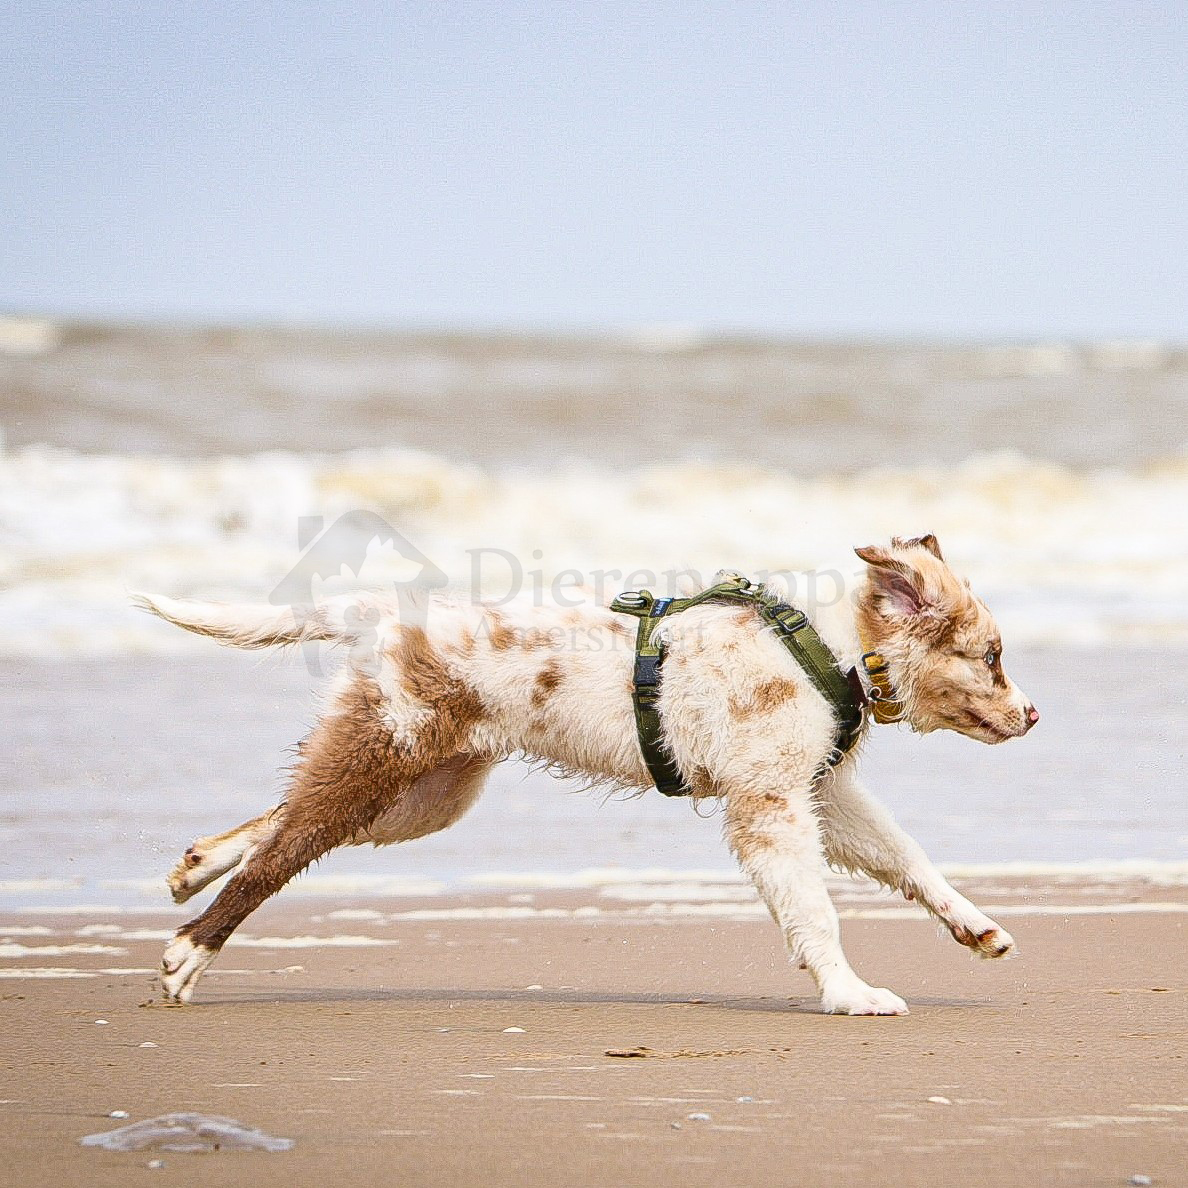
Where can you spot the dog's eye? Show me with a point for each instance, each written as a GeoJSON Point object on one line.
{"type": "Point", "coordinates": [991, 659]}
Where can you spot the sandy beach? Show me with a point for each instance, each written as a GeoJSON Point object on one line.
{"type": "Point", "coordinates": [351, 318]}
{"type": "Point", "coordinates": [443, 1013]}
{"type": "Point", "coordinates": [545, 1038]}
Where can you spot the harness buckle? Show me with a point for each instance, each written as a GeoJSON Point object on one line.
{"type": "Point", "coordinates": [647, 673]}
{"type": "Point", "coordinates": [790, 623]}
{"type": "Point", "coordinates": [632, 602]}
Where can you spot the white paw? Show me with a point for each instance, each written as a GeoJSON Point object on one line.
{"type": "Point", "coordinates": [200, 865]}
{"type": "Point", "coordinates": [984, 937]}
{"type": "Point", "coordinates": [996, 942]}
{"type": "Point", "coordinates": [189, 876]}
{"type": "Point", "coordinates": [857, 998]}
{"type": "Point", "coordinates": [182, 964]}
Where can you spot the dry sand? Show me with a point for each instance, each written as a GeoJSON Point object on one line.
{"type": "Point", "coordinates": [393, 1063]}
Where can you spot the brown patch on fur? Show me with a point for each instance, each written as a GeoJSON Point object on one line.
{"type": "Point", "coordinates": [546, 684]}
{"type": "Point", "coordinates": [500, 635]}
{"type": "Point", "coordinates": [536, 638]}
{"type": "Point", "coordinates": [618, 627]}
{"type": "Point", "coordinates": [504, 637]}
{"type": "Point", "coordinates": [748, 816]}
{"type": "Point", "coordinates": [701, 784]}
{"type": "Point", "coordinates": [763, 698]}
{"type": "Point", "coordinates": [427, 678]}
{"type": "Point", "coordinates": [773, 693]}
{"type": "Point", "coordinates": [746, 840]}
{"type": "Point", "coordinates": [466, 642]}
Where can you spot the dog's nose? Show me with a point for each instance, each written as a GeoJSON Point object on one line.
{"type": "Point", "coordinates": [1031, 716]}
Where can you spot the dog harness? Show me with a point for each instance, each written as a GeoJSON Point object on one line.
{"type": "Point", "coordinates": [843, 691]}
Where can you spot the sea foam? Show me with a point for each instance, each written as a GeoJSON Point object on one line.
{"type": "Point", "coordinates": [1061, 555]}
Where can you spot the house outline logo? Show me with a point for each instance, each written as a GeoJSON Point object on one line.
{"type": "Point", "coordinates": [324, 552]}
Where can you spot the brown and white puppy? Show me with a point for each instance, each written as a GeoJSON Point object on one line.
{"type": "Point", "coordinates": [419, 714]}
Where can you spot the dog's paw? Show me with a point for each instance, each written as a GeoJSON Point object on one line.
{"type": "Point", "coordinates": [190, 875]}
{"type": "Point", "coordinates": [860, 999]}
{"type": "Point", "coordinates": [182, 964]}
{"type": "Point", "coordinates": [995, 942]}
{"type": "Point", "coordinates": [206, 860]}
{"type": "Point", "coordinates": [989, 941]}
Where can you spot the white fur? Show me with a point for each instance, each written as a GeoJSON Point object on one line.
{"type": "Point", "coordinates": [182, 964]}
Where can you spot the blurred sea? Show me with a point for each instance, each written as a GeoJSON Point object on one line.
{"type": "Point", "coordinates": [1055, 475]}
{"type": "Point", "coordinates": [180, 460]}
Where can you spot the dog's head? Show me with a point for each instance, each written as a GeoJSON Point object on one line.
{"type": "Point", "coordinates": [942, 644]}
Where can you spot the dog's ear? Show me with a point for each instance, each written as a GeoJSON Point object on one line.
{"type": "Point", "coordinates": [900, 585]}
{"type": "Point", "coordinates": [927, 541]}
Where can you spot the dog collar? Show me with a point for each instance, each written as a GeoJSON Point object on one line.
{"type": "Point", "coordinates": [843, 692]}
{"type": "Point", "coordinates": [885, 705]}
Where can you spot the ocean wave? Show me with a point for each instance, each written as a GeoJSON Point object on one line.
{"type": "Point", "coordinates": [1061, 555]}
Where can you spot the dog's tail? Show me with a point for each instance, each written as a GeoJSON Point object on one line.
{"type": "Point", "coordinates": [336, 620]}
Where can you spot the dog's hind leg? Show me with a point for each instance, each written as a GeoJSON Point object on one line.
{"type": "Point", "coordinates": [861, 835]}
{"type": "Point", "coordinates": [210, 858]}
{"type": "Point", "coordinates": [434, 802]}
{"type": "Point", "coordinates": [775, 837]}
{"type": "Point", "coordinates": [352, 770]}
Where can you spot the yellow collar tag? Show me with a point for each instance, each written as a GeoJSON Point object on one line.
{"type": "Point", "coordinates": [885, 707]}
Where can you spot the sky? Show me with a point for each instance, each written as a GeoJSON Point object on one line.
{"type": "Point", "coordinates": [999, 170]}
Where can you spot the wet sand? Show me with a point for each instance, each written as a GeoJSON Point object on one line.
{"type": "Point", "coordinates": [390, 1062]}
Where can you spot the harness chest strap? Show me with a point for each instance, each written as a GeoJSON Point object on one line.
{"type": "Point", "coordinates": [843, 691]}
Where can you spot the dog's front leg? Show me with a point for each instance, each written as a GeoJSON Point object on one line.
{"type": "Point", "coordinates": [861, 835]}
{"type": "Point", "coordinates": [776, 840]}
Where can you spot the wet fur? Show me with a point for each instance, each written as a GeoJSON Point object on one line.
{"type": "Point", "coordinates": [420, 713]}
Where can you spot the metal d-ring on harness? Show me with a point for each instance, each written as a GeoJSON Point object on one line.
{"type": "Point", "coordinates": [843, 692]}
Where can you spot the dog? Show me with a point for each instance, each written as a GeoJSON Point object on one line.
{"type": "Point", "coordinates": [419, 714]}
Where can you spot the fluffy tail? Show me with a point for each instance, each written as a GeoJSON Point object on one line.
{"type": "Point", "coordinates": [261, 626]}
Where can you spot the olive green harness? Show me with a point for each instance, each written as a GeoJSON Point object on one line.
{"type": "Point", "coordinates": [843, 691]}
